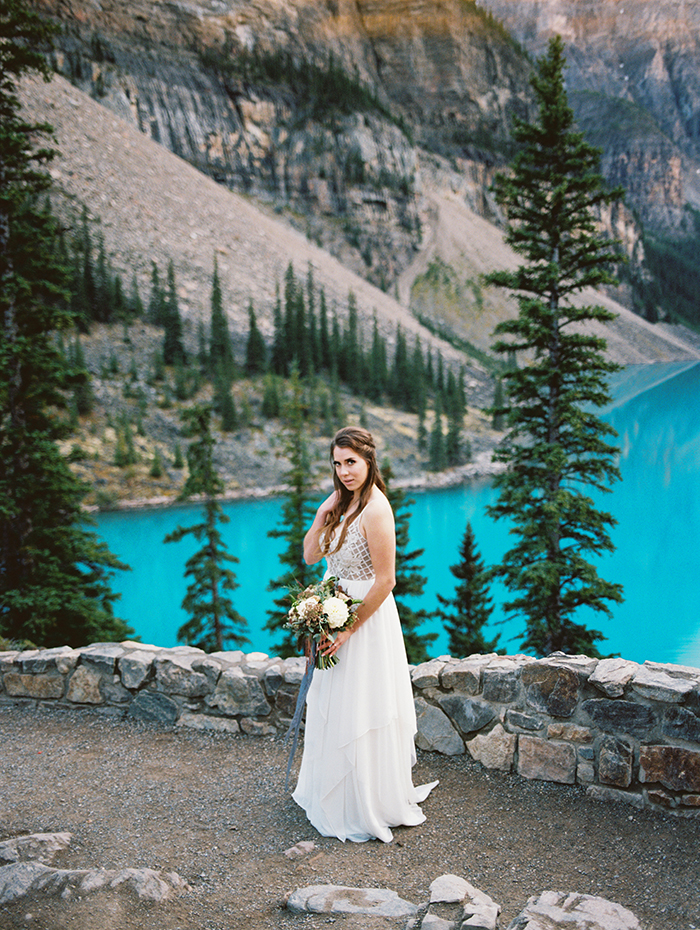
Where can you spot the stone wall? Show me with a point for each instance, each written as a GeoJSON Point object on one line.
{"type": "Point", "coordinates": [626, 731]}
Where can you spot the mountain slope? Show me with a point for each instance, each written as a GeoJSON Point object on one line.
{"type": "Point", "coordinates": [153, 206]}
{"type": "Point", "coordinates": [634, 79]}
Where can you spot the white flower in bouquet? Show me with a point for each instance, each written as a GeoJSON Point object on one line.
{"type": "Point", "coordinates": [307, 606]}
{"type": "Point", "coordinates": [337, 612]}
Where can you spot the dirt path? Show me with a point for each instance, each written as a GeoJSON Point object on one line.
{"type": "Point", "coordinates": [213, 809]}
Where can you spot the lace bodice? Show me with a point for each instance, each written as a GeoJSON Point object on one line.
{"type": "Point", "coordinates": [352, 560]}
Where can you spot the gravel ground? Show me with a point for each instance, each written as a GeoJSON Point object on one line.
{"type": "Point", "coordinates": [213, 809]}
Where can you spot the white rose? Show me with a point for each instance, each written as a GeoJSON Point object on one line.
{"type": "Point", "coordinates": [336, 611]}
{"type": "Point", "coordinates": [307, 606]}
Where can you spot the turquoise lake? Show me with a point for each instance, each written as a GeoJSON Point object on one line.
{"type": "Point", "coordinates": [657, 505]}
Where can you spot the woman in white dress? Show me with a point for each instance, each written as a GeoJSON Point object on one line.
{"type": "Point", "coordinates": [355, 777]}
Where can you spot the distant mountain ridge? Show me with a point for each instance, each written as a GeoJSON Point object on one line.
{"type": "Point", "coordinates": [634, 81]}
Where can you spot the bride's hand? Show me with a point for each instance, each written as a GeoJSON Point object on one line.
{"type": "Point", "coordinates": [329, 647]}
{"type": "Point", "coordinates": [328, 505]}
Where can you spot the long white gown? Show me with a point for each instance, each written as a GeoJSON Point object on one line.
{"type": "Point", "coordinates": [355, 776]}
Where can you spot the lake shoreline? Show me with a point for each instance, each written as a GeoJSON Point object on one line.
{"type": "Point", "coordinates": [482, 467]}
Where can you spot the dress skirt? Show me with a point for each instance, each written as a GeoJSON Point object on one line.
{"type": "Point", "coordinates": [355, 776]}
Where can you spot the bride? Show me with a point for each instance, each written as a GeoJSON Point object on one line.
{"type": "Point", "coordinates": [355, 777]}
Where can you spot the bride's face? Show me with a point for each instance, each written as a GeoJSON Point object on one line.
{"type": "Point", "coordinates": [351, 468]}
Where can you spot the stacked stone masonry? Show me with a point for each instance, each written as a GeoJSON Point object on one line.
{"type": "Point", "coordinates": [627, 732]}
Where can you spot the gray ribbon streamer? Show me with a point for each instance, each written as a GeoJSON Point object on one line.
{"type": "Point", "coordinates": [299, 709]}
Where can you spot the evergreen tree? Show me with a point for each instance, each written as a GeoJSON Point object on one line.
{"type": "Point", "coordinates": [271, 403]}
{"type": "Point", "coordinates": [377, 379]}
{"type": "Point", "coordinates": [410, 581]}
{"type": "Point", "coordinates": [214, 622]}
{"type": "Point", "coordinates": [278, 359]}
{"type": "Point", "coordinates": [415, 388]}
{"type": "Point", "coordinates": [323, 333]}
{"type": "Point", "coordinates": [103, 302]}
{"type": "Point", "coordinates": [220, 348]}
{"type": "Point", "coordinates": [173, 349]}
{"type": "Point", "coordinates": [256, 351]}
{"type": "Point", "coordinates": [54, 571]}
{"type": "Point", "coordinates": [455, 421]}
{"type": "Point", "coordinates": [297, 514]}
{"type": "Point", "coordinates": [498, 411]}
{"type": "Point", "coordinates": [438, 458]}
{"type": "Point", "coordinates": [400, 372]}
{"type": "Point", "coordinates": [202, 353]}
{"type": "Point", "coordinates": [350, 365]}
{"type": "Point", "coordinates": [134, 306]}
{"type": "Point", "coordinates": [83, 394]}
{"type": "Point", "coordinates": [471, 606]}
{"type": "Point", "coordinates": [89, 284]}
{"type": "Point", "coordinates": [125, 453]}
{"type": "Point", "coordinates": [334, 349]}
{"type": "Point", "coordinates": [117, 299]}
{"type": "Point", "coordinates": [156, 470]}
{"type": "Point", "coordinates": [229, 414]}
{"type": "Point", "coordinates": [156, 301]}
{"type": "Point", "coordinates": [556, 446]}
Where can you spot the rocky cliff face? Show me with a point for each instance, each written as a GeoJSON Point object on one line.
{"type": "Point", "coordinates": [345, 116]}
{"type": "Point", "coordinates": [634, 77]}
{"type": "Point", "coordinates": [234, 89]}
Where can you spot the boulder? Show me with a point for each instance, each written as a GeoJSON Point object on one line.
{"type": "Point", "coordinates": [495, 749]}
{"type": "Point", "coordinates": [84, 686]}
{"type": "Point", "coordinates": [671, 766]}
{"type": "Point", "coordinates": [553, 909]}
{"type": "Point", "coordinates": [658, 685]}
{"type": "Point", "coordinates": [468, 714]}
{"type": "Point", "coordinates": [20, 879]}
{"type": "Point", "coordinates": [546, 759]}
{"type": "Point", "coordinates": [152, 707]}
{"type": "Point", "coordinates": [612, 675]}
{"type": "Point", "coordinates": [175, 675]}
{"type": "Point", "coordinates": [39, 847]}
{"type": "Point", "coordinates": [136, 668]}
{"type": "Point", "coordinates": [551, 688]}
{"type": "Point", "coordinates": [463, 675]}
{"type": "Point", "coordinates": [427, 674]}
{"type": "Point", "coordinates": [339, 899]}
{"type": "Point", "coordinates": [500, 685]}
{"type": "Point", "coordinates": [615, 760]}
{"type": "Point", "coordinates": [39, 686]}
{"type": "Point", "coordinates": [42, 660]}
{"type": "Point", "coordinates": [239, 694]}
{"type": "Point", "coordinates": [435, 731]}
{"type": "Point", "coordinates": [479, 911]}
{"type": "Point", "coordinates": [620, 717]}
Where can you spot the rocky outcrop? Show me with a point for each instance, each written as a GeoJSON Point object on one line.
{"type": "Point", "coordinates": [626, 732]}
{"type": "Point", "coordinates": [27, 873]}
{"type": "Point", "coordinates": [313, 108]}
{"type": "Point", "coordinates": [634, 78]}
{"type": "Point", "coordinates": [455, 904]}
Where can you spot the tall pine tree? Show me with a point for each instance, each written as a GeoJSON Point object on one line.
{"type": "Point", "coordinates": [220, 348]}
{"type": "Point", "coordinates": [173, 348]}
{"type": "Point", "coordinates": [54, 571]}
{"type": "Point", "coordinates": [256, 351]}
{"type": "Point", "coordinates": [297, 514]}
{"type": "Point", "coordinates": [556, 448]}
{"type": "Point", "coordinates": [410, 582]}
{"type": "Point", "coordinates": [471, 606]}
{"type": "Point", "coordinates": [214, 623]}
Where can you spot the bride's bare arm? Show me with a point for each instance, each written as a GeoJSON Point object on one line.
{"type": "Point", "coordinates": [379, 530]}
{"type": "Point", "coordinates": [312, 550]}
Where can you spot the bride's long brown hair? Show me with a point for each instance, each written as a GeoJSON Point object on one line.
{"type": "Point", "coordinates": [361, 442]}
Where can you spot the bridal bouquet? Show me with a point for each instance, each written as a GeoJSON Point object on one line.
{"type": "Point", "coordinates": [321, 611]}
